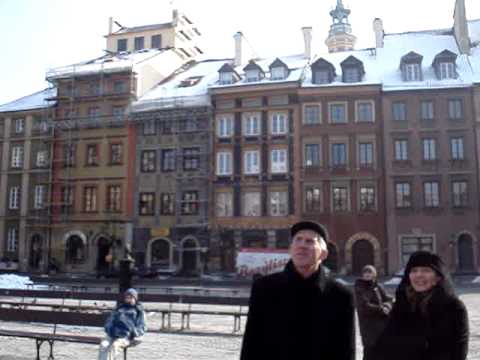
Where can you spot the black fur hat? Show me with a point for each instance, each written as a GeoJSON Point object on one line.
{"type": "Point", "coordinates": [426, 259]}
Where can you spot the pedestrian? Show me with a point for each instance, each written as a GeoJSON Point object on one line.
{"type": "Point", "coordinates": [428, 321]}
{"type": "Point", "coordinates": [125, 324]}
{"type": "Point", "coordinates": [373, 307]}
{"type": "Point", "coordinates": [300, 313]}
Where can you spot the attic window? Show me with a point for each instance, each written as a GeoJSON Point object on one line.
{"type": "Point", "coordinates": [322, 76]}
{"type": "Point", "coordinates": [351, 75]}
{"type": "Point", "coordinates": [252, 75]}
{"type": "Point", "coordinates": [226, 78]}
{"type": "Point", "coordinates": [412, 72]}
{"type": "Point", "coordinates": [278, 73]}
{"type": "Point", "coordinates": [447, 70]}
{"type": "Point", "coordinates": [191, 81]}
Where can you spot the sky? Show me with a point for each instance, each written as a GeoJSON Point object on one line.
{"type": "Point", "coordinates": [37, 35]}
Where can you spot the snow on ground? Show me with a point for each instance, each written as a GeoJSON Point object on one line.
{"type": "Point", "coordinates": [393, 281]}
{"type": "Point", "coordinates": [12, 281]}
{"type": "Point", "coordinates": [476, 280]}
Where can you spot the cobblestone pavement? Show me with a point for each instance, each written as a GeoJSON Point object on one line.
{"type": "Point", "coordinates": [203, 343]}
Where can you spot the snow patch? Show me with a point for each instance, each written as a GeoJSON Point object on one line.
{"type": "Point", "coordinates": [393, 281]}
{"type": "Point", "coordinates": [476, 280]}
{"type": "Point", "coordinates": [11, 281]}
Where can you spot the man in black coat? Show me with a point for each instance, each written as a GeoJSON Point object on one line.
{"type": "Point", "coordinates": [300, 313]}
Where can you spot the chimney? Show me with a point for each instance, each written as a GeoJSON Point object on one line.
{"type": "Point", "coordinates": [110, 25]}
{"type": "Point", "coordinates": [379, 32]}
{"type": "Point", "coordinates": [238, 48]}
{"type": "Point", "coordinates": [460, 27]}
{"type": "Point", "coordinates": [307, 38]}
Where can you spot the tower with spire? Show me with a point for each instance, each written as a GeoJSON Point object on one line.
{"type": "Point", "coordinates": [340, 37]}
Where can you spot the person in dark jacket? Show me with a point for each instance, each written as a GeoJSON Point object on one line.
{"type": "Point", "coordinates": [373, 306]}
{"type": "Point", "coordinates": [299, 313]}
{"type": "Point", "coordinates": [428, 321]}
{"type": "Point", "coordinates": [126, 323]}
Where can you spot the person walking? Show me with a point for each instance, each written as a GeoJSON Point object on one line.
{"type": "Point", "coordinates": [125, 324]}
{"type": "Point", "coordinates": [373, 307]}
{"type": "Point", "coordinates": [300, 313]}
{"type": "Point", "coordinates": [428, 321]}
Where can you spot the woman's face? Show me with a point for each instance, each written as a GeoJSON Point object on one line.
{"type": "Point", "coordinates": [423, 278]}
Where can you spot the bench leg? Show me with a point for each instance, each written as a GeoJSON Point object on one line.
{"type": "Point", "coordinates": [38, 343]}
{"type": "Point", "coordinates": [51, 342]}
{"type": "Point", "coordinates": [125, 353]}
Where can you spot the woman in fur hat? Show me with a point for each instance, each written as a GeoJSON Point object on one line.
{"type": "Point", "coordinates": [428, 321]}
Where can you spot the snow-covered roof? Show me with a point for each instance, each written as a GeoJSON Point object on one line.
{"type": "Point", "coordinates": [126, 30]}
{"type": "Point", "coordinates": [38, 100]}
{"type": "Point", "coordinates": [114, 62]}
{"type": "Point", "coordinates": [187, 88]}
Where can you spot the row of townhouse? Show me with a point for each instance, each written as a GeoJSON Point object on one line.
{"type": "Point", "coordinates": [184, 161]}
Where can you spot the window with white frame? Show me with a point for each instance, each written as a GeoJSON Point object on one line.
{"type": "Point", "coordinates": [252, 75]}
{"type": "Point", "coordinates": [12, 239]}
{"type": "Point", "coordinates": [278, 203]}
{"type": "Point", "coordinates": [252, 162]}
{"type": "Point", "coordinates": [367, 198]}
{"type": "Point", "coordinates": [226, 78]}
{"type": "Point", "coordinates": [338, 155]}
{"type": "Point", "coordinates": [42, 158]}
{"type": "Point", "coordinates": [278, 73]}
{"type": "Point", "coordinates": [455, 109]}
{"type": "Point", "coordinates": [14, 198]}
{"type": "Point", "coordinates": [365, 111]}
{"type": "Point", "coordinates": [251, 124]}
{"type": "Point", "coordinates": [224, 163]}
{"type": "Point", "coordinates": [278, 124]}
{"type": "Point", "coordinates": [447, 70]}
{"type": "Point", "coordinates": [224, 204]}
{"type": "Point", "coordinates": [401, 150]}
{"type": "Point", "coordinates": [457, 148]}
{"type": "Point", "coordinates": [403, 195]}
{"type": "Point", "coordinates": [431, 194]}
{"type": "Point", "coordinates": [251, 204]}
{"type": "Point", "coordinates": [413, 72]}
{"type": "Point", "coordinates": [17, 157]}
{"type": "Point", "coordinates": [429, 149]}
{"type": "Point", "coordinates": [225, 126]}
{"type": "Point", "coordinates": [337, 113]}
{"type": "Point", "coordinates": [340, 198]}
{"type": "Point", "coordinates": [459, 194]}
{"type": "Point", "coordinates": [279, 161]}
{"type": "Point", "coordinates": [313, 198]}
{"type": "Point", "coordinates": [311, 114]}
{"type": "Point", "coordinates": [365, 155]}
{"type": "Point", "coordinates": [19, 125]}
{"type": "Point", "coordinates": [427, 110]}
{"type": "Point", "coordinates": [311, 155]}
{"type": "Point", "coordinates": [399, 111]}
{"type": "Point", "coordinates": [39, 196]}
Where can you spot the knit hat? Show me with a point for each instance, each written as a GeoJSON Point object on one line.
{"type": "Point", "coordinates": [132, 292]}
{"type": "Point", "coordinates": [426, 259]}
{"type": "Point", "coordinates": [308, 225]}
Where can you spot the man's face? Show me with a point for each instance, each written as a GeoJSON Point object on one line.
{"type": "Point", "coordinates": [129, 299]}
{"type": "Point", "coordinates": [306, 249]}
{"type": "Point", "coordinates": [368, 275]}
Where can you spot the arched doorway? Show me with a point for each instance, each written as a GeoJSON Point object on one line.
{"type": "Point", "coordinates": [161, 254]}
{"type": "Point", "coordinates": [190, 256]}
{"type": "Point", "coordinates": [75, 250]}
{"type": "Point", "coordinates": [36, 252]}
{"type": "Point", "coordinates": [104, 254]}
{"type": "Point", "coordinates": [362, 254]}
{"type": "Point", "coordinates": [331, 261]}
{"type": "Point", "coordinates": [466, 262]}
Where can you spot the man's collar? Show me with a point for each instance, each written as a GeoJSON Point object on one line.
{"type": "Point", "coordinates": [319, 277]}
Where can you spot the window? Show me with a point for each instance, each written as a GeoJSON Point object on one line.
{"type": "Point", "coordinates": [279, 161]}
{"type": "Point", "coordinates": [429, 149]}
{"type": "Point", "coordinates": [68, 195]}
{"type": "Point", "coordinates": [119, 87]}
{"type": "Point", "coordinates": [278, 73]}
{"type": "Point", "coordinates": [191, 159]}
{"type": "Point", "coordinates": [278, 124]}
{"type": "Point", "coordinates": [12, 239]}
{"type": "Point", "coordinates": [188, 125]}
{"type": "Point", "coordinates": [226, 78]}
{"type": "Point", "coordinates": [365, 112]}
{"type": "Point", "coordinates": [167, 204]}
{"type": "Point", "coordinates": [19, 126]}
{"type": "Point", "coordinates": [118, 113]}
{"type": "Point", "coordinates": [224, 163]}
{"type": "Point", "coordinates": [252, 162]}
{"type": "Point", "coordinates": [351, 75]}
{"type": "Point", "coordinates": [225, 127]}
{"type": "Point", "coordinates": [367, 198]}
{"type": "Point", "coordinates": [14, 198]}
{"type": "Point", "coordinates": [92, 155]}
{"type": "Point", "coordinates": [312, 155]}
{"type": "Point", "coordinates": [431, 194]}
{"type": "Point", "coordinates": [70, 155]}
{"type": "Point", "coordinates": [167, 126]}
{"type": "Point", "coordinates": [313, 199]}
{"type": "Point", "coordinates": [427, 110]}
{"type": "Point", "coordinates": [149, 127]}
{"type": "Point", "coordinates": [412, 72]}
{"type": "Point", "coordinates": [411, 244]}
{"type": "Point", "coordinates": [39, 196]}
{"type": "Point", "coordinates": [94, 88]}
{"type": "Point", "coordinates": [403, 195]}
{"type": "Point", "coordinates": [17, 157]}
{"type": "Point", "coordinates": [149, 161]}
{"type": "Point", "coordinates": [339, 155]}
{"type": "Point", "coordinates": [169, 160]}
{"type": "Point", "coordinates": [340, 198]}
{"type": "Point", "coordinates": [224, 204]}
{"type": "Point", "coordinates": [90, 199]}
{"type": "Point", "coordinates": [41, 158]}
{"type": "Point", "coordinates": [156, 41]}
{"type": "Point", "coordinates": [459, 194]}
{"type": "Point", "coordinates": [190, 203]}
{"type": "Point", "coordinates": [399, 111]}
{"type": "Point", "coordinates": [338, 113]}
{"type": "Point", "coordinates": [322, 77]}
{"type": "Point", "coordinates": [457, 148]}
{"type": "Point", "coordinates": [252, 75]}
{"type": "Point", "coordinates": [146, 204]}
{"type": "Point", "coordinates": [455, 109]}
{"type": "Point", "coordinates": [116, 154]}
{"type": "Point", "coordinates": [401, 150]}
{"type": "Point", "coordinates": [114, 198]}
{"type": "Point", "coordinates": [122, 45]}
{"type": "Point", "coordinates": [447, 70]}
{"type": "Point", "coordinates": [251, 125]}
{"type": "Point", "coordinates": [139, 43]}
{"type": "Point", "coordinates": [94, 114]}
{"type": "Point", "coordinates": [311, 114]}
{"type": "Point", "coordinates": [252, 204]}
{"type": "Point", "coordinates": [40, 125]}
{"type": "Point", "coordinates": [278, 203]}
{"type": "Point", "coordinates": [365, 154]}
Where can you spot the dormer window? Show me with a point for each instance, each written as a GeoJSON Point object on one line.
{"type": "Point", "coordinates": [445, 65]}
{"type": "Point", "coordinates": [323, 72]}
{"type": "Point", "coordinates": [352, 75]}
{"type": "Point", "coordinates": [352, 70]}
{"type": "Point", "coordinates": [253, 72]}
{"type": "Point", "coordinates": [322, 76]}
{"type": "Point", "coordinates": [411, 67]}
{"type": "Point", "coordinates": [227, 75]}
{"type": "Point", "coordinates": [412, 72]}
{"type": "Point", "coordinates": [447, 70]}
{"type": "Point", "coordinates": [226, 78]}
{"type": "Point", "coordinates": [253, 75]}
{"type": "Point", "coordinates": [278, 70]}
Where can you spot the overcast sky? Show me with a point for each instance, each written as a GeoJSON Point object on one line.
{"type": "Point", "coordinates": [41, 34]}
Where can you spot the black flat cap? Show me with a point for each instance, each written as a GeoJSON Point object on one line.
{"type": "Point", "coordinates": [308, 225]}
